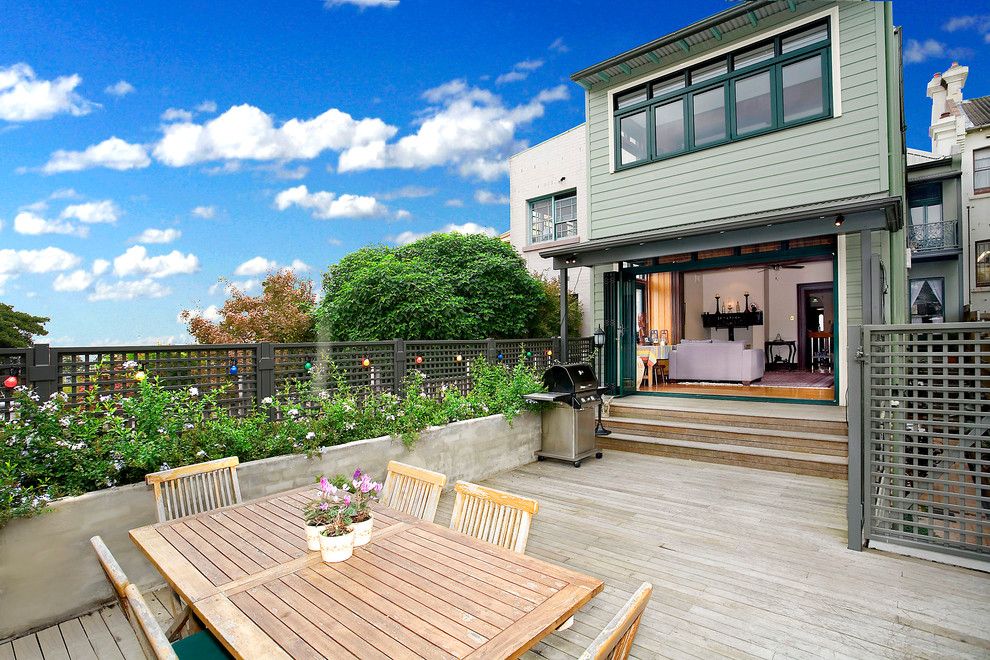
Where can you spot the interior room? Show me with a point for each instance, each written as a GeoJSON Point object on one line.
{"type": "Point", "coordinates": [763, 329]}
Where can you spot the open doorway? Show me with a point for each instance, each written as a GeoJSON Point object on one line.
{"type": "Point", "coordinates": [816, 313]}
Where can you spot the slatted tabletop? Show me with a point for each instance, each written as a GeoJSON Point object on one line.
{"type": "Point", "coordinates": [417, 590]}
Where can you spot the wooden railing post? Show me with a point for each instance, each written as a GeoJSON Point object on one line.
{"type": "Point", "coordinates": [265, 364]}
{"type": "Point", "coordinates": [41, 370]}
{"type": "Point", "coordinates": [399, 368]}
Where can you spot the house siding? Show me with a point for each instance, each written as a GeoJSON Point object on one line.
{"type": "Point", "coordinates": [831, 159]}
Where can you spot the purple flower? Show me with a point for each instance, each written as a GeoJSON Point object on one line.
{"type": "Point", "coordinates": [365, 484]}
{"type": "Point", "coordinates": [357, 474]}
{"type": "Point", "coordinates": [347, 500]}
{"type": "Point", "coordinates": [378, 487]}
{"type": "Point", "coordinates": [324, 506]}
{"type": "Point", "coordinates": [325, 485]}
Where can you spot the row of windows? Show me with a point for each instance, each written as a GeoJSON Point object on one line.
{"type": "Point", "coordinates": [773, 85]}
{"type": "Point", "coordinates": [553, 218]}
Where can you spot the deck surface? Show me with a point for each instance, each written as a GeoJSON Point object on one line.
{"type": "Point", "coordinates": [745, 563]}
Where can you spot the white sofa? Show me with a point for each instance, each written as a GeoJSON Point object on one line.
{"type": "Point", "coordinates": [707, 360]}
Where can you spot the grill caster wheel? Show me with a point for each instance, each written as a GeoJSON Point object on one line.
{"type": "Point", "coordinates": [577, 463]}
{"type": "Point", "coordinates": [598, 455]}
{"type": "Point", "coordinates": [540, 458]}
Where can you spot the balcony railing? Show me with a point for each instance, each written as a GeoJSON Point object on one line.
{"type": "Point", "coordinates": [933, 236]}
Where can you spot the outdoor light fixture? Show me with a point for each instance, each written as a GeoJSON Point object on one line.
{"type": "Point", "coordinates": [419, 359]}
{"type": "Point", "coordinates": [459, 358]}
{"type": "Point", "coordinates": [139, 375]}
{"type": "Point", "coordinates": [500, 356]}
{"type": "Point", "coordinates": [839, 219]}
{"type": "Point", "coordinates": [308, 365]}
{"type": "Point", "coordinates": [233, 367]}
{"type": "Point", "coordinates": [529, 354]}
{"type": "Point", "coordinates": [599, 340]}
{"type": "Point", "coordinates": [10, 382]}
{"type": "Point", "coordinates": [549, 352]}
{"type": "Point", "coordinates": [365, 362]}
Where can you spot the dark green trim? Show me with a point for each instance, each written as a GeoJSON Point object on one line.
{"type": "Point", "coordinates": [727, 82]}
{"type": "Point", "coordinates": [737, 259]}
{"type": "Point", "coordinates": [553, 212]}
{"type": "Point", "coordinates": [753, 20]}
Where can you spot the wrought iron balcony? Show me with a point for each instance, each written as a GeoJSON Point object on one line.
{"type": "Point", "coordinates": [933, 236]}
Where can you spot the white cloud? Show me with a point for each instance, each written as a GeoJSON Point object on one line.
{"type": "Point", "coordinates": [100, 266]}
{"type": "Point", "coordinates": [402, 214]}
{"type": "Point", "coordinates": [77, 280]}
{"type": "Point", "coordinates": [244, 132]}
{"type": "Point", "coordinates": [454, 203]}
{"type": "Point", "coordinates": [520, 71]}
{"type": "Point", "coordinates": [558, 46]}
{"type": "Point", "coordinates": [299, 266]}
{"type": "Point", "coordinates": [129, 290]}
{"type": "Point", "coordinates": [363, 4]}
{"type": "Point", "coordinates": [120, 88]}
{"type": "Point", "coordinates": [407, 192]}
{"type": "Point", "coordinates": [207, 106]}
{"type": "Point", "coordinates": [25, 97]}
{"type": "Point", "coordinates": [920, 51]}
{"type": "Point", "coordinates": [93, 212]}
{"type": "Point", "coordinates": [112, 153]}
{"type": "Point", "coordinates": [327, 205]}
{"type": "Point", "coordinates": [979, 23]}
{"type": "Point", "coordinates": [255, 266]}
{"type": "Point", "coordinates": [334, 241]}
{"type": "Point", "coordinates": [32, 224]}
{"type": "Point", "coordinates": [211, 313]}
{"type": "Point", "coordinates": [46, 260]}
{"type": "Point", "coordinates": [177, 114]}
{"type": "Point", "coordinates": [152, 235]}
{"type": "Point", "coordinates": [407, 237]}
{"type": "Point", "coordinates": [228, 287]}
{"type": "Point", "coordinates": [135, 261]}
{"type": "Point", "coordinates": [64, 193]}
{"type": "Point", "coordinates": [488, 197]}
{"type": "Point", "coordinates": [205, 212]}
{"type": "Point", "coordinates": [467, 128]}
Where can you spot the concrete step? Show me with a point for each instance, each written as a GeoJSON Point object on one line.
{"type": "Point", "coordinates": [789, 440]}
{"type": "Point", "coordinates": [820, 465]}
{"type": "Point", "coordinates": [784, 417]}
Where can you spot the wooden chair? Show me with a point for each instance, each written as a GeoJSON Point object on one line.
{"type": "Point", "coordinates": [615, 641]}
{"type": "Point", "coordinates": [153, 640]}
{"type": "Point", "coordinates": [493, 515]}
{"type": "Point", "coordinates": [192, 489]}
{"type": "Point", "coordinates": [413, 490]}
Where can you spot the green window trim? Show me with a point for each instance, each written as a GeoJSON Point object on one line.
{"type": "Point", "coordinates": [559, 223]}
{"type": "Point", "coordinates": [727, 83]}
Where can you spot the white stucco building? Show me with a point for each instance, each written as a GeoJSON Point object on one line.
{"type": "Point", "coordinates": [548, 193]}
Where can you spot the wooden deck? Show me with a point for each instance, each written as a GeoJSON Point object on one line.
{"type": "Point", "coordinates": [746, 563]}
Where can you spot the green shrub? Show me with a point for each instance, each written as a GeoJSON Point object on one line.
{"type": "Point", "coordinates": [53, 449]}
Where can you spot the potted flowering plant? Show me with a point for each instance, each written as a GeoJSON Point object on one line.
{"type": "Point", "coordinates": [318, 512]}
{"type": "Point", "coordinates": [337, 537]}
{"type": "Point", "coordinates": [365, 492]}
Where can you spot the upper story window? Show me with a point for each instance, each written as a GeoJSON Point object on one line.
{"type": "Point", "coordinates": [929, 229]}
{"type": "Point", "coordinates": [981, 171]}
{"type": "Point", "coordinates": [782, 82]}
{"type": "Point", "coordinates": [982, 250]}
{"type": "Point", "coordinates": [553, 218]}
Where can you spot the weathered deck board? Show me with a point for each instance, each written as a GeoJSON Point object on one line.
{"type": "Point", "coordinates": [746, 563]}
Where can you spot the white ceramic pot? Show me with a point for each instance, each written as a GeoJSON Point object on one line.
{"type": "Point", "coordinates": [313, 533]}
{"type": "Point", "coordinates": [337, 548]}
{"type": "Point", "coordinates": [362, 530]}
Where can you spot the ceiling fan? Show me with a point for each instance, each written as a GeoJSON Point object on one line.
{"type": "Point", "coordinates": [791, 265]}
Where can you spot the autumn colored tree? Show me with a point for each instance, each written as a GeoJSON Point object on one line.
{"type": "Point", "coordinates": [282, 313]}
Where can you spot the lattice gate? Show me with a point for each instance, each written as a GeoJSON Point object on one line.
{"type": "Point", "coordinates": [926, 436]}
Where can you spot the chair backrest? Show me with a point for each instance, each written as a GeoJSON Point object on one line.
{"type": "Point", "coordinates": [615, 641]}
{"type": "Point", "coordinates": [195, 488]}
{"type": "Point", "coordinates": [413, 490]}
{"type": "Point", "coordinates": [150, 635]}
{"type": "Point", "coordinates": [493, 515]}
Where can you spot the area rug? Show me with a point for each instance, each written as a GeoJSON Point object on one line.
{"type": "Point", "coordinates": [793, 379]}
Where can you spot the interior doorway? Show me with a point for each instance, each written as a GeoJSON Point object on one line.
{"type": "Point", "coordinates": [816, 316]}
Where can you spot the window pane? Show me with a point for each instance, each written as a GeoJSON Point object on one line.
{"type": "Point", "coordinates": [709, 116]}
{"type": "Point", "coordinates": [803, 95]}
{"type": "Point", "coordinates": [669, 133]}
{"type": "Point", "coordinates": [666, 86]}
{"type": "Point", "coordinates": [541, 221]}
{"type": "Point", "coordinates": [753, 103]}
{"type": "Point", "coordinates": [632, 138]}
{"type": "Point", "coordinates": [566, 212]}
{"type": "Point", "coordinates": [981, 169]}
{"type": "Point", "coordinates": [630, 98]}
{"type": "Point", "coordinates": [758, 54]}
{"type": "Point", "coordinates": [983, 263]}
{"type": "Point", "coordinates": [918, 215]}
{"type": "Point", "coordinates": [805, 38]}
{"type": "Point", "coordinates": [708, 72]}
{"type": "Point", "coordinates": [934, 213]}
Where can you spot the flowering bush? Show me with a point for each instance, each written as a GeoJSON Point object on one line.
{"type": "Point", "coordinates": [53, 449]}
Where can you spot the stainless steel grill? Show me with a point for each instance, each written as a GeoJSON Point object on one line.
{"type": "Point", "coordinates": [569, 423]}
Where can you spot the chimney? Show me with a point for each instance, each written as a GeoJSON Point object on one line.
{"type": "Point", "coordinates": [955, 78]}
{"type": "Point", "coordinates": [937, 93]}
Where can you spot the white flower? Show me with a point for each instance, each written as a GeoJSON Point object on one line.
{"type": "Point", "coordinates": [310, 435]}
{"type": "Point", "coordinates": [65, 421]}
{"type": "Point", "coordinates": [201, 453]}
{"type": "Point", "coordinates": [130, 364]}
{"type": "Point", "coordinates": [293, 412]}
{"type": "Point", "coordinates": [193, 391]}
{"type": "Point", "coordinates": [267, 400]}
{"type": "Point", "coordinates": [104, 398]}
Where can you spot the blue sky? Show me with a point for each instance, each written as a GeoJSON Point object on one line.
{"type": "Point", "coordinates": [148, 149]}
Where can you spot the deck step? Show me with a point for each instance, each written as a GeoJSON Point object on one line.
{"type": "Point", "coordinates": [795, 418]}
{"type": "Point", "coordinates": [778, 460]}
{"type": "Point", "coordinates": [789, 440]}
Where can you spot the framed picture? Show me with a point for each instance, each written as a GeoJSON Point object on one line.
{"type": "Point", "coordinates": [927, 295]}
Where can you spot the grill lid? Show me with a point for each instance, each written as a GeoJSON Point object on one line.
{"type": "Point", "coordinates": [577, 378]}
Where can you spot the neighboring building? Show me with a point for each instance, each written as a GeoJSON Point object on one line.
{"type": "Point", "coordinates": [960, 130]}
{"type": "Point", "coordinates": [753, 160]}
{"type": "Point", "coordinates": [548, 205]}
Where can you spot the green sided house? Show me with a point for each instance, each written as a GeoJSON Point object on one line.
{"type": "Point", "coordinates": [745, 202]}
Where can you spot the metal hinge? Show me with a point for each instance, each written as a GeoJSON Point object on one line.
{"type": "Point", "coordinates": [861, 356]}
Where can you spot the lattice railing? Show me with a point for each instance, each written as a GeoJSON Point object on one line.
{"type": "Point", "coordinates": [13, 363]}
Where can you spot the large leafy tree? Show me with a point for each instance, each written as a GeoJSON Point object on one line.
{"type": "Point", "coordinates": [546, 323]}
{"type": "Point", "coordinates": [282, 313]}
{"type": "Point", "coordinates": [18, 328]}
{"type": "Point", "coordinates": [444, 286]}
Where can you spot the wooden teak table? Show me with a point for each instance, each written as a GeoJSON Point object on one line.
{"type": "Point", "coordinates": [417, 590]}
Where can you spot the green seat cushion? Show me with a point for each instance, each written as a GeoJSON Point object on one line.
{"type": "Point", "coordinates": [200, 645]}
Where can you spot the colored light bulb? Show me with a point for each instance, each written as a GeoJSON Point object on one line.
{"type": "Point", "coordinates": [419, 359]}
{"type": "Point", "coordinates": [308, 365]}
{"type": "Point", "coordinates": [459, 358]}
{"type": "Point", "coordinates": [139, 375]}
{"type": "Point", "coordinates": [233, 370]}
{"type": "Point", "coordinates": [365, 362]}
{"type": "Point", "coordinates": [10, 382]}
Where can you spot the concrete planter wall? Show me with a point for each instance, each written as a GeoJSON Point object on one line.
{"type": "Point", "coordinates": [48, 572]}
